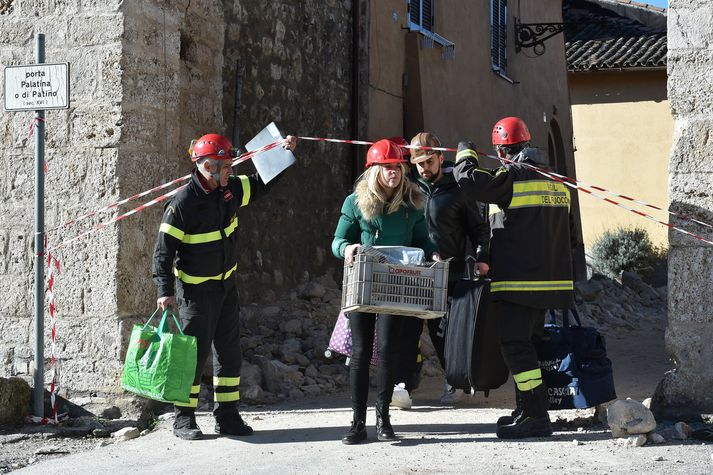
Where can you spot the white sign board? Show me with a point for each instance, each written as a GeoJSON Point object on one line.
{"type": "Point", "coordinates": [37, 87]}
{"type": "Point", "coordinates": [270, 163]}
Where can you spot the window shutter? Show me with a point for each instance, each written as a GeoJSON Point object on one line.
{"type": "Point", "coordinates": [427, 23]}
{"type": "Point", "coordinates": [498, 33]}
{"type": "Point", "coordinates": [414, 9]}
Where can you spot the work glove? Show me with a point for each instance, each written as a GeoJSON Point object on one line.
{"type": "Point", "coordinates": [466, 151]}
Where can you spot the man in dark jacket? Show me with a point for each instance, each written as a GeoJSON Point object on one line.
{"type": "Point", "coordinates": [531, 260]}
{"type": "Point", "coordinates": [452, 220]}
{"type": "Point", "coordinates": [197, 245]}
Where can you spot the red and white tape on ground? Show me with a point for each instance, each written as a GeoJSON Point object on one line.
{"type": "Point", "coordinates": [570, 182]}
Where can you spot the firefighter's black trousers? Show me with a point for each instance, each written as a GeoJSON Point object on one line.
{"type": "Point", "coordinates": [212, 316]}
{"type": "Point", "coordinates": [520, 326]}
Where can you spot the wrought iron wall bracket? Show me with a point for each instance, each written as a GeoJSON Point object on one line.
{"type": "Point", "coordinates": [533, 35]}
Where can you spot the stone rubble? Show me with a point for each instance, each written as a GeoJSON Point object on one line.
{"type": "Point", "coordinates": [629, 417]}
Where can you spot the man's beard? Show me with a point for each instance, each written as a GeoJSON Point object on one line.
{"type": "Point", "coordinates": [433, 178]}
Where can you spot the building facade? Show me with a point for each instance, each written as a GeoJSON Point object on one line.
{"type": "Point", "coordinates": [621, 116]}
{"type": "Point", "coordinates": [147, 77]}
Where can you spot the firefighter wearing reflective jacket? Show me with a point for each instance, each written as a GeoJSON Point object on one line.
{"type": "Point", "coordinates": [197, 245]}
{"type": "Point", "coordinates": [530, 260]}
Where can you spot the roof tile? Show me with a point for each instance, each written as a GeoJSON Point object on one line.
{"type": "Point", "coordinates": [602, 39]}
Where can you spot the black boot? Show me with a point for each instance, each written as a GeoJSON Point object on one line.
{"type": "Point", "coordinates": [356, 434]}
{"type": "Point", "coordinates": [517, 412]}
{"type": "Point", "coordinates": [384, 431]}
{"type": "Point", "coordinates": [534, 421]}
{"type": "Point", "coordinates": [184, 425]}
{"type": "Point", "coordinates": [232, 424]}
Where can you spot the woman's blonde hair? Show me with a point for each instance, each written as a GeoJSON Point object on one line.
{"type": "Point", "coordinates": [371, 196]}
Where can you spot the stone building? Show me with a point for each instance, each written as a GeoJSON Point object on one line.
{"type": "Point", "coordinates": [687, 389]}
{"type": "Point", "coordinates": [146, 78]}
{"type": "Point", "coordinates": [149, 76]}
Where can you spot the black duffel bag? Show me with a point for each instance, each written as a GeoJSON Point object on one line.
{"type": "Point", "coordinates": [574, 364]}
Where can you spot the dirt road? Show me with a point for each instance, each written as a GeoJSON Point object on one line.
{"type": "Point", "coordinates": [304, 436]}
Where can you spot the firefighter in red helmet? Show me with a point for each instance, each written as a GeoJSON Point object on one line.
{"type": "Point", "coordinates": [532, 238]}
{"type": "Point", "coordinates": [197, 246]}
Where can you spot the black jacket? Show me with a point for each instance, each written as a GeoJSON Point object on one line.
{"type": "Point", "coordinates": [198, 238]}
{"type": "Point", "coordinates": [532, 231]}
{"type": "Point", "coordinates": [451, 218]}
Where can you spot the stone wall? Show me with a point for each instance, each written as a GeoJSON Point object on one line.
{"type": "Point", "coordinates": [296, 60]}
{"type": "Point", "coordinates": [687, 389]}
{"type": "Point", "coordinates": [146, 78]}
{"type": "Point", "coordinates": [82, 159]}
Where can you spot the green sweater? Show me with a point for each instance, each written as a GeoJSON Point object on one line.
{"type": "Point", "coordinates": [405, 227]}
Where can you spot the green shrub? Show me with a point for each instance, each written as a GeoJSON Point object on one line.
{"type": "Point", "coordinates": [624, 249]}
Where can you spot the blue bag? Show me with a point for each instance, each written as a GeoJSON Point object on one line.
{"type": "Point", "coordinates": [574, 364]}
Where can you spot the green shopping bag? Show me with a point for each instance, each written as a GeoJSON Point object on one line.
{"type": "Point", "coordinates": [160, 365]}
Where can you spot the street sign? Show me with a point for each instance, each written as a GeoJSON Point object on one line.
{"type": "Point", "coordinates": [37, 87]}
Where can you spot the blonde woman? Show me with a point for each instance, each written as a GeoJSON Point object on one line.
{"type": "Point", "coordinates": [386, 209]}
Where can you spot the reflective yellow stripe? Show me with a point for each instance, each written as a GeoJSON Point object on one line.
{"type": "Point", "coordinates": [531, 285]}
{"type": "Point", "coordinates": [527, 375]}
{"type": "Point", "coordinates": [227, 397]}
{"type": "Point", "coordinates": [466, 153]}
{"type": "Point", "coordinates": [245, 181]}
{"type": "Point", "coordinates": [225, 381]}
{"type": "Point", "coordinates": [192, 279]}
{"type": "Point", "coordinates": [193, 403]}
{"type": "Point", "coordinates": [199, 238]}
{"type": "Point", "coordinates": [196, 389]}
{"type": "Point", "coordinates": [533, 193]}
{"type": "Point", "coordinates": [171, 230]}
{"type": "Point", "coordinates": [203, 238]}
{"type": "Point", "coordinates": [528, 380]}
{"type": "Point", "coordinates": [529, 385]}
{"type": "Point", "coordinates": [537, 185]}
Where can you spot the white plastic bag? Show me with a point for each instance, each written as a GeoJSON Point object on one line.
{"type": "Point", "coordinates": [407, 256]}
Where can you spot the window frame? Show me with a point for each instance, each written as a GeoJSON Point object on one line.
{"type": "Point", "coordinates": [429, 36]}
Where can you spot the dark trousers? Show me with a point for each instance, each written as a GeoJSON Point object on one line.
{"type": "Point", "coordinates": [213, 317]}
{"type": "Point", "coordinates": [388, 331]}
{"type": "Point", "coordinates": [409, 355]}
{"type": "Point", "coordinates": [520, 326]}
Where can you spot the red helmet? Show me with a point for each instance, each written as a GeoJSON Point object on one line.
{"type": "Point", "coordinates": [510, 130]}
{"type": "Point", "coordinates": [212, 146]}
{"type": "Point", "coordinates": [402, 143]}
{"type": "Point", "coordinates": [384, 152]}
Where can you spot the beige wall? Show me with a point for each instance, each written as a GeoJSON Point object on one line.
{"type": "Point", "coordinates": [623, 131]}
{"type": "Point", "coordinates": [462, 98]}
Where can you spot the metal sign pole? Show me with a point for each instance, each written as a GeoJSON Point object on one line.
{"type": "Point", "coordinates": [39, 123]}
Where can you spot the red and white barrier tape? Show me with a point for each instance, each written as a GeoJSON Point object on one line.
{"type": "Point", "coordinates": [242, 158]}
{"type": "Point", "coordinates": [55, 385]}
{"type": "Point", "coordinates": [52, 265]}
{"type": "Point", "coordinates": [570, 182]}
